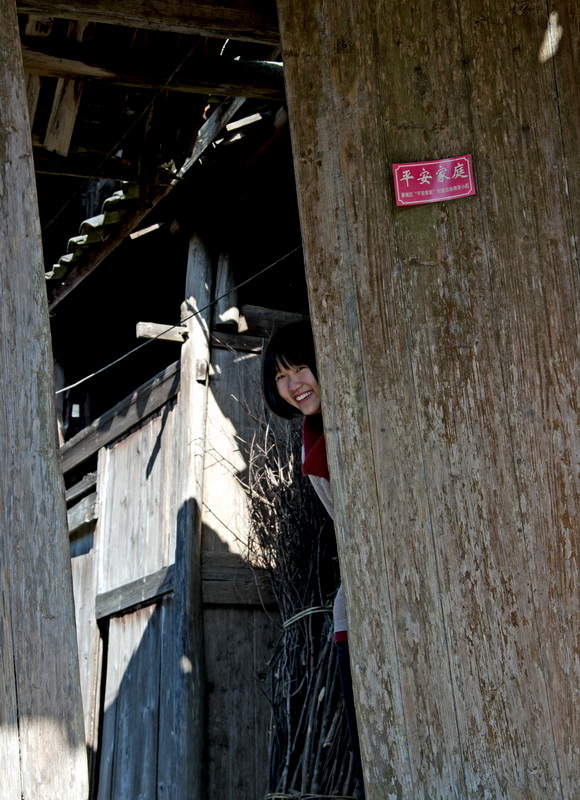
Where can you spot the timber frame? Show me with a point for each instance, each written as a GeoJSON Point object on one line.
{"type": "Point", "coordinates": [447, 336]}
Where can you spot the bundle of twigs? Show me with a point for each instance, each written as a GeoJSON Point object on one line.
{"type": "Point", "coordinates": [294, 540]}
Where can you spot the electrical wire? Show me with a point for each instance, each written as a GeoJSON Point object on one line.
{"type": "Point", "coordinates": [172, 327]}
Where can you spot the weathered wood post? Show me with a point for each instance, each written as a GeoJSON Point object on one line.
{"type": "Point", "coordinates": [42, 746]}
{"type": "Point", "coordinates": [448, 340]}
{"type": "Point", "coordinates": [189, 687]}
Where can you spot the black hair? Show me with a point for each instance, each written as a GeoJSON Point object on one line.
{"type": "Point", "coordinates": [291, 345]}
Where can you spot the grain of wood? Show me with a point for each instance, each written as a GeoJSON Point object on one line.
{"type": "Point", "coordinates": [225, 311]}
{"type": "Point", "coordinates": [130, 755]}
{"type": "Point", "coordinates": [233, 404]}
{"type": "Point", "coordinates": [242, 19]}
{"type": "Point", "coordinates": [137, 536]}
{"type": "Point", "coordinates": [86, 510]}
{"type": "Point", "coordinates": [259, 79]}
{"type": "Point", "coordinates": [84, 576]}
{"type": "Point", "coordinates": [238, 645]}
{"type": "Point", "coordinates": [154, 330]}
{"type": "Point", "coordinates": [65, 106]}
{"type": "Point", "coordinates": [127, 414]}
{"type": "Point", "coordinates": [41, 689]}
{"type": "Point", "coordinates": [189, 677]}
{"type": "Point", "coordinates": [531, 234]}
{"type": "Point", "coordinates": [456, 410]}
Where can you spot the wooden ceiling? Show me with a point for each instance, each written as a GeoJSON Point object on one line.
{"type": "Point", "coordinates": [137, 91]}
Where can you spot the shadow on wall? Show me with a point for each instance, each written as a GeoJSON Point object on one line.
{"type": "Point", "coordinates": [154, 716]}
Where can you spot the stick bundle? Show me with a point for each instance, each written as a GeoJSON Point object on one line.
{"type": "Point", "coordinates": [292, 537]}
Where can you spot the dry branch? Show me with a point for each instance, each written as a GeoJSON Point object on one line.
{"type": "Point", "coordinates": [294, 540]}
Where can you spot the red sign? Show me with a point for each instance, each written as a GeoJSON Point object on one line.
{"type": "Point", "coordinates": [433, 181]}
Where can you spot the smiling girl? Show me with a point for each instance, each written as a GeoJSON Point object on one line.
{"type": "Point", "coordinates": [290, 385]}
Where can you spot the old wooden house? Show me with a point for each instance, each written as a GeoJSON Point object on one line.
{"type": "Point", "coordinates": [206, 171]}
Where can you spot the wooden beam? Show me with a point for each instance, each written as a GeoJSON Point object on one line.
{"type": "Point", "coordinates": [191, 422]}
{"type": "Point", "coordinates": [42, 736]}
{"type": "Point", "coordinates": [263, 80]}
{"type": "Point", "coordinates": [262, 321]}
{"type": "Point", "coordinates": [167, 333]}
{"type": "Point", "coordinates": [207, 133]}
{"type": "Point", "coordinates": [246, 20]}
{"type": "Point", "coordinates": [35, 27]}
{"type": "Point", "coordinates": [237, 341]}
{"type": "Point", "coordinates": [452, 420]}
{"type": "Point", "coordinates": [125, 415]}
{"type": "Point", "coordinates": [90, 165]}
{"type": "Point", "coordinates": [85, 511]}
{"type": "Point", "coordinates": [65, 105]}
{"type": "Point", "coordinates": [226, 581]}
{"type": "Point", "coordinates": [139, 592]}
{"type": "Point", "coordinates": [229, 580]}
{"type": "Point", "coordinates": [85, 486]}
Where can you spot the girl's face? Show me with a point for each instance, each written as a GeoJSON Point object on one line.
{"type": "Point", "coordinates": [297, 386]}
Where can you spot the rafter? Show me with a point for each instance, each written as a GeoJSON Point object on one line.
{"type": "Point", "coordinates": [207, 133]}
{"type": "Point", "coordinates": [246, 20]}
{"type": "Point", "coordinates": [202, 75]}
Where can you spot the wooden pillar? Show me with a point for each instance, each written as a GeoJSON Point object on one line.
{"type": "Point", "coordinates": [42, 745]}
{"type": "Point", "coordinates": [192, 404]}
{"type": "Point", "coordinates": [448, 342]}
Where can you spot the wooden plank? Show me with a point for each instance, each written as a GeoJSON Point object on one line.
{"type": "Point", "coordinates": [237, 341]}
{"type": "Point", "coordinates": [227, 584]}
{"type": "Point", "coordinates": [531, 229]}
{"type": "Point", "coordinates": [130, 726]}
{"type": "Point", "coordinates": [137, 476]}
{"type": "Point", "coordinates": [139, 592]}
{"type": "Point", "coordinates": [65, 106]}
{"type": "Point", "coordinates": [233, 407]}
{"type": "Point", "coordinates": [85, 511]}
{"type": "Point", "coordinates": [255, 590]}
{"type": "Point", "coordinates": [82, 488]}
{"type": "Point", "coordinates": [226, 313]}
{"type": "Point", "coordinates": [154, 330]}
{"type": "Point", "coordinates": [207, 133]}
{"type": "Point", "coordinates": [263, 321]}
{"type": "Point", "coordinates": [90, 165]}
{"type": "Point", "coordinates": [32, 94]}
{"type": "Point", "coordinates": [193, 398]}
{"type": "Point", "coordinates": [9, 746]}
{"type": "Point", "coordinates": [246, 20]}
{"type": "Point", "coordinates": [43, 706]}
{"type": "Point", "coordinates": [131, 411]}
{"type": "Point", "coordinates": [84, 576]}
{"type": "Point", "coordinates": [67, 98]}
{"type": "Point", "coordinates": [440, 397]}
{"type": "Point", "coordinates": [263, 80]}
{"type": "Point", "coordinates": [35, 27]}
{"type": "Point", "coordinates": [238, 647]}
{"type": "Point", "coordinates": [228, 580]}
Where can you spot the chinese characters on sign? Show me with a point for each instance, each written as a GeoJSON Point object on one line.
{"type": "Point", "coordinates": [432, 181]}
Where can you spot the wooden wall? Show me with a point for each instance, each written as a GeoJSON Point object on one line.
{"type": "Point", "coordinates": [126, 563]}
{"type": "Point", "coordinates": [238, 637]}
{"type": "Point", "coordinates": [448, 352]}
{"type": "Point", "coordinates": [42, 753]}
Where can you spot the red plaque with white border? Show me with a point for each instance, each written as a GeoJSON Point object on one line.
{"type": "Point", "coordinates": [433, 181]}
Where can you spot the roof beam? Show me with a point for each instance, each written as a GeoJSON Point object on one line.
{"type": "Point", "coordinates": [89, 164]}
{"type": "Point", "coordinates": [201, 75]}
{"type": "Point", "coordinates": [207, 133]}
{"type": "Point", "coordinates": [246, 20]}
